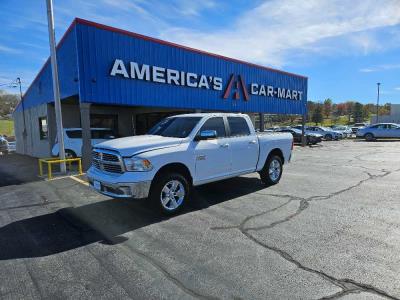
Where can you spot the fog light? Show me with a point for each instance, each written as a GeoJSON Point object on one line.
{"type": "Point", "coordinates": [126, 190]}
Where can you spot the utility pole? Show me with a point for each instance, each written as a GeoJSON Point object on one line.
{"type": "Point", "coordinates": [24, 133]}
{"type": "Point", "coordinates": [262, 122]}
{"type": "Point", "coordinates": [56, 87]}
{"type": "Point", "coordinates": [377, 104]}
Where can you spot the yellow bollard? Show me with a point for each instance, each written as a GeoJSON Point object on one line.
{"type": "Point", "coordinates": [80, 166]}
{"type": "Point", "coordinates": [50, 161]}
{"type": "Point", "coordinates": [49, 175]}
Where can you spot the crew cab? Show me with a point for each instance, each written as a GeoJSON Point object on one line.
{"type": "Point", "coordinates": [185, 151]}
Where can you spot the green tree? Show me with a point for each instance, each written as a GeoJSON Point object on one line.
{"type": "Point", "coordinates": [310, 108]}
{"type": "Point", "coordinates": [358, 112]}
{"type": "Point", "coordinates": [349, 109]}
{"type": "Point", "coordinates": [317, 116]}
{"type": "Point", "coordinates": [7, 103]}
{"type": "Point", "coordinates": [327, 107]}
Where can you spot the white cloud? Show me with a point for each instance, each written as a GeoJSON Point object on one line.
{"type": "Point", "coordinates": [397, 88]}
{"type": "Point", "coordinates": [9, 49]}
{"type": "Point", "coordinates": [379, 68]}
{"type": "Point", "coordinates": [194, 8]}
{"type": "Point", "coordinates": [269, 32]}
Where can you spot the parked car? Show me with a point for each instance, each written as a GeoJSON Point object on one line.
{"type": "Point", "coordinates": [3, 145]}
{"type": "Point", "coordinates": [11, 147]}
{"type": "Point", "coordinates": [379, 131]}
{"type": "Point", "coordinates": [73, 140]}
{"type": "Point", "coordinates": [273, 128]}
{"type": "Point", "coordinates": [184, 151]}
{"type": "Point", "coordinates": [328, 133]}
{"type": "Point", "coordinates": [357, 126]}
{"type": "Point", "coordinates": [345, 130]}
{"type": "Point", "coordinates": [311, 138]}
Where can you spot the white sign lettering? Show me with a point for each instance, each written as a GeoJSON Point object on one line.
{"type": "Point", "coordinates": [193, 80]}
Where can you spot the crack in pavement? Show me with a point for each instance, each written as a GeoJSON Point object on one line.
{"type": "Point", "coordinates": [150, 260]}
{"type": "Point", "coordinates": [347, 285]}
{"type": "Point", "coordinates": [156, 264]}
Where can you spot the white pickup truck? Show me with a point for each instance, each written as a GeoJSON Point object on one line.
{"type": "Point", "coordinates": [184, 151]}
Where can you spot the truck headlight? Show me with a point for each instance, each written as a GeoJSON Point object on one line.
{"type": "Point", "coordinates": [137, 164]}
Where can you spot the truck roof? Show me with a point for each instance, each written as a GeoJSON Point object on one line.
{"type": "Point", "coordinates": [216, 114]}
{"type": "Point", "coordinates": [78, 128]}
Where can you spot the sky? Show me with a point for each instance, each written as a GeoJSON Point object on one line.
{"type": "Point", "coordinates": [343, 47]}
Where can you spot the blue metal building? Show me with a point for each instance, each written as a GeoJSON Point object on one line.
{"type": "Point", "coordinates": [127, 82]}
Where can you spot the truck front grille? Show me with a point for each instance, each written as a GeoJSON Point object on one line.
{"type": "Point", "coordinates": [106, 160]}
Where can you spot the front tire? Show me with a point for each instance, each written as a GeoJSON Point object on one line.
{"type": "Point", "coordinates": [69, 154]}
{"type": "Point", "coordinates": [369, 137]}
{"type": "Point", "coordinates": [272, 170]}
{"type": "Point", "coordinates": [328, 137]}
{"type": "Point", "coordinates": [169, 193]}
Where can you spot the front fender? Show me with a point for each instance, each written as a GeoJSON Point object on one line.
{"type": "Point", "coordinates": [182, 154]}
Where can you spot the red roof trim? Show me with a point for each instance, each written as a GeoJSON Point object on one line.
{"type": "Point", "coordinates": [147, 38]}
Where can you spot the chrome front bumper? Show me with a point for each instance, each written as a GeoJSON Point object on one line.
{"type": "Point", "coordinates": [121, 190]}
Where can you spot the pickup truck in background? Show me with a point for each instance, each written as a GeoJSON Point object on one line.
{"type": "Point", "coordinates": [185, 151]}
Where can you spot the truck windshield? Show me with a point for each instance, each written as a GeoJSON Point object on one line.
{"type": "Point", "coordinates": [179, 127]}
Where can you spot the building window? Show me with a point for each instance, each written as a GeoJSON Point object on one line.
{"type": "Point", "coordinates": [104, 121]}
{"type": "Point", "coordinates": [43, 128]}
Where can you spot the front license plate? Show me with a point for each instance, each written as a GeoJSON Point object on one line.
{"type": "Point", "coordinates": [97, 185]}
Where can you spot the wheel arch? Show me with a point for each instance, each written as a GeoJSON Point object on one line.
{"type": "Point", "coordinates": [369, 133]}
{"type": "Point", "coordinates": [275, 151]}
{"type": "Point", "coordinates": [176, 167]}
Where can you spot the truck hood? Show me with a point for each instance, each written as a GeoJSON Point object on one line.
{"type": "Point", "coordinates": [134, 145]}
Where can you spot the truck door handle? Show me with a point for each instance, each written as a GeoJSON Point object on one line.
{"type": "Point", "coordinates": [224, 146]}
{"type": "Point", "coordinates": [253, 142]}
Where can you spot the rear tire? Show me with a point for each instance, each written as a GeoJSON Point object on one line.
{"type": "Point", "coordinates": [271, 173]}
{"type": "Point", "coordinates": [169, 193]}
{"type": "Point", "coordinates": [369, 137]}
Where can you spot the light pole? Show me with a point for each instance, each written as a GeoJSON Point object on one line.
{"type": "Point", "coordinates": [24, 134]}
{"type": "Point", "coordinates": [377, 103]}
{"type": "Point", "coordinates": [56, 86]}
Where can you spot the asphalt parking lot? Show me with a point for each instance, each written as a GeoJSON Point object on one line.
{"type": "Point", "coordinates": [330, 229]}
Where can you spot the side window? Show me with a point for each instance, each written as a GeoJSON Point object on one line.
{"type": "Point", "coordinates": [43, 128]}
{"type": "Point", "coordinates": [102, 134]}
{"type": "Point", "coordinates": [216, 124]}
{"type": "Point", "coordinates": [74, 134]}
{"type": "Point", "coordinates": [238, 126]}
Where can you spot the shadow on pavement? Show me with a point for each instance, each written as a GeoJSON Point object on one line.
{"type": "Point", "coordinates": [18, 169]}
{"type": "Point", "coordinates": [103, 221]}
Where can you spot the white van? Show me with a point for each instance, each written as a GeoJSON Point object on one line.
{"type": "Point", "coordinates": [73, 140]}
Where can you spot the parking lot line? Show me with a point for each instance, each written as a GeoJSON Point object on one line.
{"type": "Point", "coordinates": [79, 180]}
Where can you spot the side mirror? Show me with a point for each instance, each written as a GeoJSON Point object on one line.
{"type": "Point", "coordinates": [206, 135]}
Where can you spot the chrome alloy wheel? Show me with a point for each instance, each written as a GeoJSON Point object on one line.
{"type": "Point", "coordinates": [274, 170]}
{"type": "Point", "coordinates": [172, 195]}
